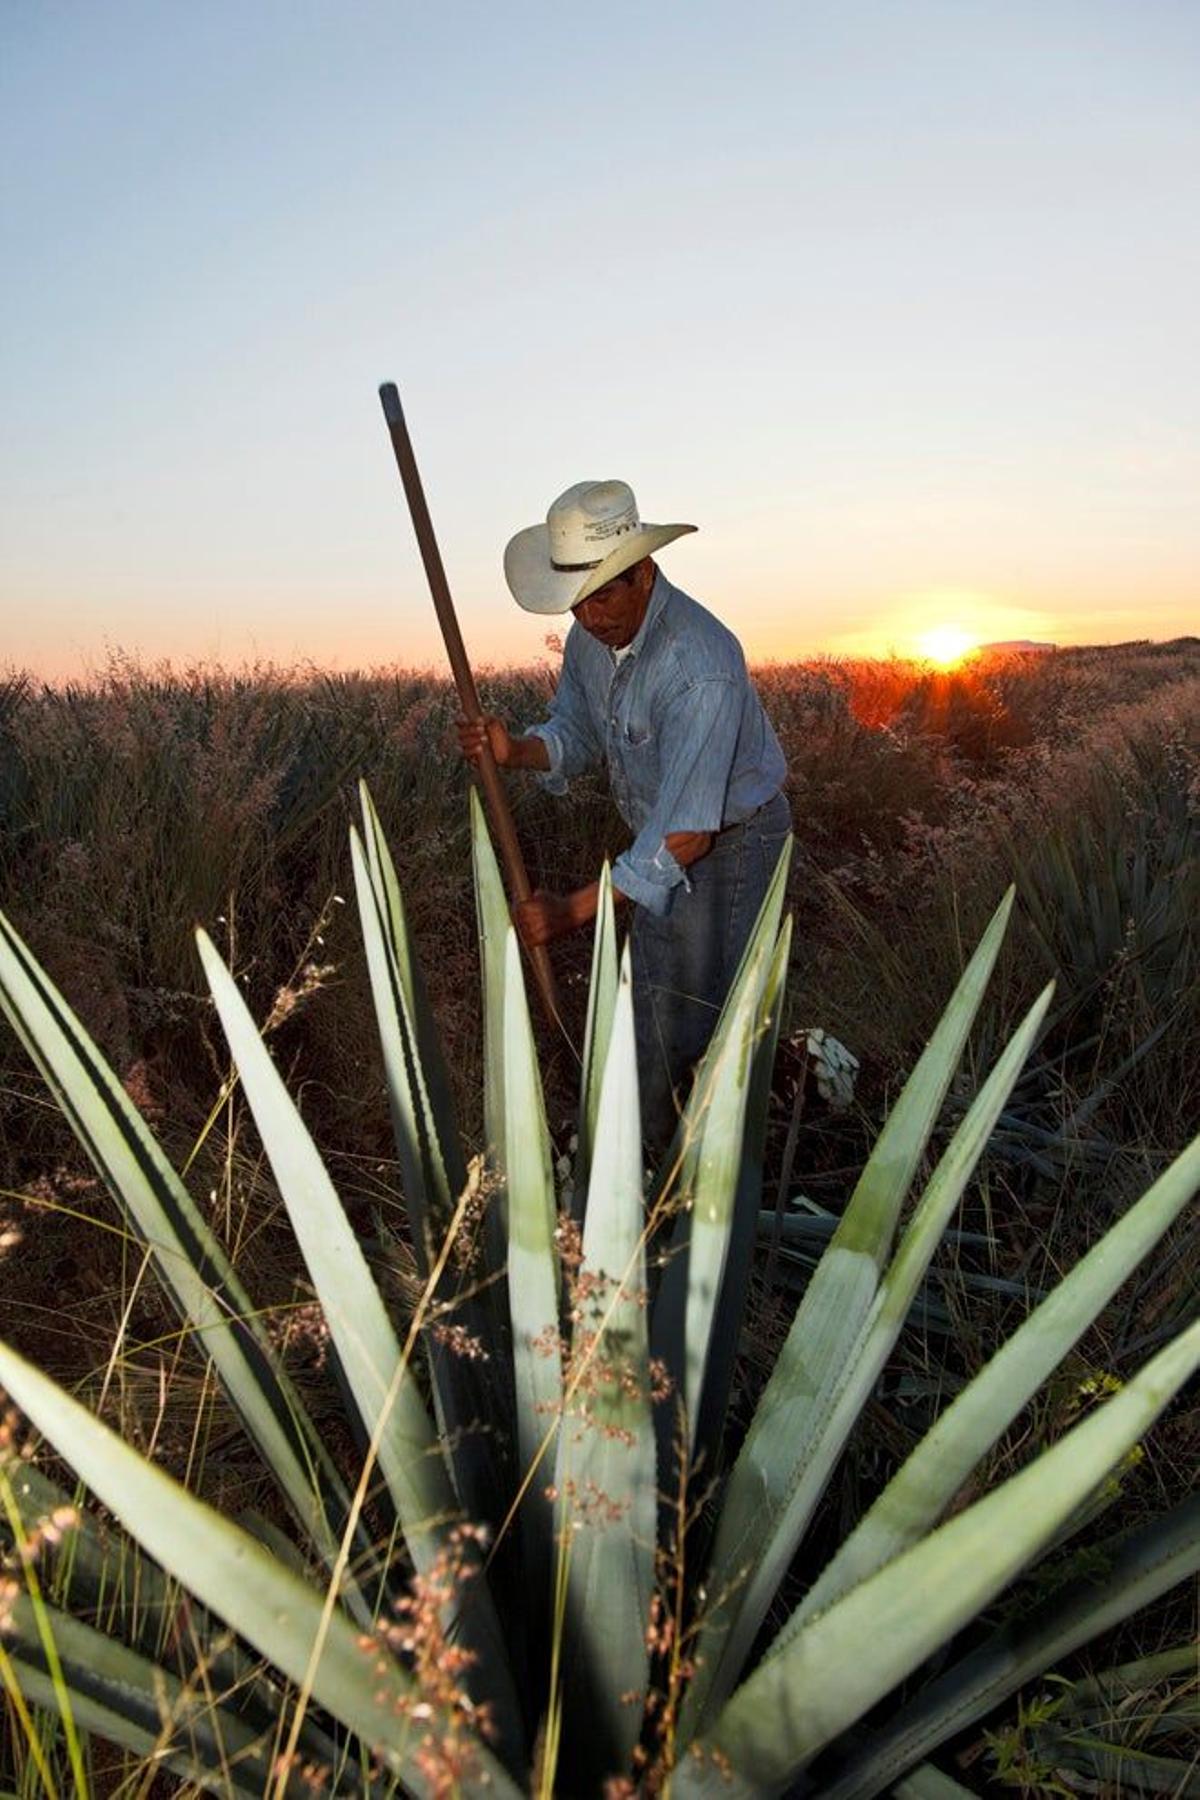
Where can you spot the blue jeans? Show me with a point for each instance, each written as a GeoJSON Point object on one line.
{"type": "Point", "coordinates": [683, 963]}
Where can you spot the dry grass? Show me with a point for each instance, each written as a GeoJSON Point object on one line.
{"type": "Point", "coordinates": [154, 800]}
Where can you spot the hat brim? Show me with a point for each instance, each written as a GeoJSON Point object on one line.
{"type": "Point", "coordinates": [541, 588]}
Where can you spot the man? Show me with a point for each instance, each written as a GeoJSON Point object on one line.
{"type": "Point", "coordinates": [656, 687]}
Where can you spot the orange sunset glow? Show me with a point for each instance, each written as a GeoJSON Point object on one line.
{"type": "Point", "coordinates": [947, 645]}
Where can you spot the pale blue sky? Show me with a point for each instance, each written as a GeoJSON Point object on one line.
{"type": "Point", "coordinates": [897, 302]}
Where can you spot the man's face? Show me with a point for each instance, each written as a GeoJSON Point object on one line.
{"type": "Point", "coordinates": [614, 613]}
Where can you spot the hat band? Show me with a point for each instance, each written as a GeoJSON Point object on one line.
{"type": "Point", "coordinates": [575, 568]}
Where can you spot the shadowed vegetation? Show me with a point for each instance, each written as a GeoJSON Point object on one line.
{"type": "Point", "coordinates": [148, 803]}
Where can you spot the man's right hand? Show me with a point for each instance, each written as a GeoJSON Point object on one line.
{"type": "Point", "coordinates": [473, 734]}
{"type": "Point", "coordinates": [510, 752]}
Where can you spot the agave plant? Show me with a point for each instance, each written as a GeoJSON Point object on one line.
{"type": "Point", "coordinates": [540, 1575]}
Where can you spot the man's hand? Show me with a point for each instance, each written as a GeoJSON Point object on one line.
{"type": "Point", "coordinates": [473, 734]}
{"type": "Point", "coordinates": [510, 752]}
{"type": "Point", "coordinates": [544, 917]}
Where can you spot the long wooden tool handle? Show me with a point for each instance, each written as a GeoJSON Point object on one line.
{"type": "Point", "coordinates": [464, 681]}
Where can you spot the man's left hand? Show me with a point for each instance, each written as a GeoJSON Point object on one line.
{"type": "Point", "coordinates": [544, 917]}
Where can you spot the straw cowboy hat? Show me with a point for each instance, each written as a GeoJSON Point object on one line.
{"type": "Point", "coordinates": [592, 534]}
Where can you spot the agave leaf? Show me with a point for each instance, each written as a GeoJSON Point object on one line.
{"type": "Point", "coordinates": [383, 1387]}
{"type": "Point", "coordinates": [91, 1568]}
{"type": "Point", "coordinates": [797, 1433]}
{"type": "Point", "coordinates": [43, 1645]}
{"type": "Point", "coordinates": [357, 1680]}
{"type": "Point", "coordinates": [1112, 1766]}
{"type": "Point", "coordinates": [922, 1489]}
{"type": "Point", "coordinates": [1105, 1728]}
{"type": "Point", "coordinates": [1145, 1564]}
{"type": "Point", "coordinates": [606, 1441]}
{"type": "Point", "coordinates": [869, 1222]}
{"type": "Point", "coordinates": [430, 1152]}
{"type": "Point", "coordinates": [681, 1157]}
{"type": "Point", "coordinates": [194, 1266]}
{"type": "Point", "coordinates": [533, 1279]}
{"type": "Point", "coordinates": [1094, 1697]}
{"type": "Point", "coordinates": [434, 1176]}
{"type": "Point", "coordinates": [491, 909]}
{"type": "Point", "coordinates": [268, 1534]}
{"type": "Point", "coordinates": [765, 929]}
{"type": "Point", "coordinates": [849, 1657]}
{"type": "Point", "coordinates": [358, 1323]}
{"type": "Point", "coordinates": [723, 1343]}
{"type": "Point", "coordinates": [107, 1576]}
{"type": "Point", "coordinates": [126, 1698]}
{"type": "Point", "coordinates": [712, 1177]}
{"type": "Point", "coordinates": [602, 1001]}
{"type": "Point", "coordinates": [686, 1309]}
{"type": "Point", "coordinates": [104, 1574]}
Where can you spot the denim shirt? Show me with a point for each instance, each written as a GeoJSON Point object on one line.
{"type": "Point", "coordinates": [677, 721]}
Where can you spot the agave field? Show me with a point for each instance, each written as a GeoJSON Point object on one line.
{"type": "Point", "coordinates": [377, 1423]}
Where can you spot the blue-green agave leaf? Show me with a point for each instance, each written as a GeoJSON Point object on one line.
{"type": "Point", "coordinates": [838, 1339]}
{"type": "Point", "coordinates": [309, 1638]}
{"type": "Point", "coordinates": [376, 1367]}
{"type": "Point", "coordinates": [605, 1467]}
{"type": "Point", "coordinates": [192, 1263]}
{"type": "Point", "coordinates": [846, 1659]}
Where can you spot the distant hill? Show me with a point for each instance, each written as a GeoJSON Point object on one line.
{"type": "Point", "coordinates": [1019, 646]}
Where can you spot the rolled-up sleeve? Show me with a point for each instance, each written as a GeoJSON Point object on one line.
{"type": "Point", "coordinates": [697, 743]}
{"type": "Point", "coordinates": [568, 734]}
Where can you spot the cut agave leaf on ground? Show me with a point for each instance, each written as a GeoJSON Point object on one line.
{"type": "Point", "coordinates": [1095, 1697]}
{"type": "Point", "coordinates": [846, 1660]}
{"type": "Point", "coordinates": [606, 1444]}
{"type": "Point", "coordinates": [929, 1315]}
{"type": "Point", "coordinates": [928, 1783]}
{"type": "Point", "coordinates": [1125, 1726]}
{"type": "Point", "coordinates": [1141, 1566]}
{"type": "Point", "coordinates": [375, 1365]}
{"type": "Point", "coordinates": [306, 1636]}
{"type": "Point", "coordinates": [1102, 1763]}
{"type": "Point", "coordinates": [193, 1265]}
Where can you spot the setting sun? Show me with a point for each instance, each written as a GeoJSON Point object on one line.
{"type": "Point", "coordinates": [946, 644]}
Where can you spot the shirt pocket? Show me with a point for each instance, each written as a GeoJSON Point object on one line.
{"type": "Point", "coordinates": [637, 728]}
